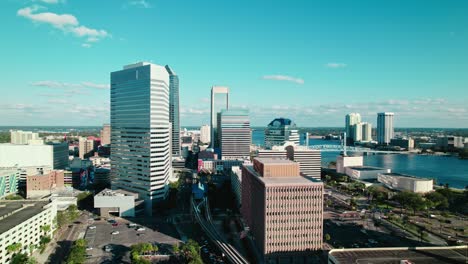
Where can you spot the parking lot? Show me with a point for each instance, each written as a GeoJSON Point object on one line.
{"type": "Point", "coordinates": [119, 237]}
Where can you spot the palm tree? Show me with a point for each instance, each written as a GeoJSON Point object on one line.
{"type": "Point", "coordinates": [13, 248]}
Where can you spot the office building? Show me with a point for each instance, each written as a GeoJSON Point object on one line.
{"type": "Point", "coordinates": [385, 130]}
{"type": "Point", "coordinates": [120, 202]}
{"type": "Point", "coordinates": [283, 210]}
{"type": "Point", "coordinates": [366, 132]}
{"type": "Point", "coordinates": [174, 111]}
{"type": "Point", "coordinates": [22, 137]}
{"type": "Point", "coordinates": [402, 182]}
{"type": "Point", "coordinates": [205, 134]}
{"type": "Point", "coordinates": [9, 178]}
{"type": "Point", "coordinates": [140, 136]}
{"type": "Point", "coordinates": [40, 185]}
{"type": "Point", "coordinates": [351, 120]}
{"type": "Point", "coordinates": [21, 222]}
{"type": "Point", "coordinates": [54, 155]}
{"type": "Point", "coordinates": [279, 131]}
{"type": "Point", "coordinates": [105, 134]}
{"type": "Point", "coordinates": [309, 160]}
{"type": "Point", "coordinates": [86, 147]}
{"type": "Point", "coordinates": [219, 102]}
{"type": "Point", "coordinates": [234, 134]}
{"type": "Point", "coordinates": [357, 132]}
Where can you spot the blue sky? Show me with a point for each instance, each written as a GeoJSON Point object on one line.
{"type": "Point", "coordinates": [312, 61]}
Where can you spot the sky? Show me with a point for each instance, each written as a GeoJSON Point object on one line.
{"type": "Point", "coordinates": [311, 61]}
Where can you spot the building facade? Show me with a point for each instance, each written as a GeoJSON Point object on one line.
{"type": "Point", "coordinates": [351, 120]}
{"type": "Point", "coordinates": [40, 185]}
{"type": "Point", "coordinates": [279, 131]}
{"type": "Point", "coordinates": [86, 147]}
{"type": "Point", "coordinates": [9, 178]}
{"type": "Point", "coordinates": [406, 143]}
{"type": "Point", "coordinates": [357, 132]}
{"type": "Point", "coordinates": [366, 132]}
{"type": "Point", "coordinates": [105, 134]}
{"type": "Point", "coordinates": [236, 184]}
{"type": "Point", "coordinates": [22, 137]}
{"type": "Point", "coordinates": [403, 182]}
{"type": "Point", "coordinates": [385, 131]}
{"type": "Point", "coordinates": [140, 137]}
{"type": "Point", "coordinates": [234, 134]}
{"type": "Point", "coordinates": [205, 134]}
{"type": "Point", "coordinates": [219, 102]}
{"type": "Point", "coordinates": [53, 155]}
{"type": "Point", "coordinates": [174, 117]}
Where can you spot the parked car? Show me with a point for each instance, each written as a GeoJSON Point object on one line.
{"type": "Point", "coordinates": [115, 233]}
{"type": "Point", "coordinates": [141, 229]}
{"type": "Point", "coordinates": [108, 248]}
{"type": "Point", "coordinates": [115, 224]}
{"type": "Point", "coordinates": [132, 225]}
{"type": "Point", "coordinates": [89, 248]}
{"type": "Point", "coordinates": [92, 227]}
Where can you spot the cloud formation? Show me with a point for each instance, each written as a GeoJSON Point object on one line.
{"type": "Point", "coordinates": [140, 3]}
{"type": "Point", "coordinates": [335, 65]}
{"type": "Point", "coordinates": [67, 23]}
{"type": "Point", "coordinates": [49, 1]}
{"type": "Point", "coordinates": [283, 78]}
{"type": "Point", "coordinates": [65, 85]}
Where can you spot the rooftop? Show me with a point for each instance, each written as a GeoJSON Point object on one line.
{"type": "Point", "coordinates": [279, 122]}
{"type": "Point", "coordinates": [366, 168]}
{"type": "Point", "coordinates": [273, 161]}
{"type": "Point", "coordinates": [13, 213]}
{"type": "Point", "coordinates": [394, 174]}
{"type": "Point", "coordinates": [439, 255]}
{"type": "Point", "coordinates": [283, 181]}
{"type": "Point", "coordinates": [119, 192]}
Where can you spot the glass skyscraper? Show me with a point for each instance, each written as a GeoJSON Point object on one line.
{"type": "Point", "coordinates": [279, 131]}
{"type": "Point", "coordinates": [385, 128]}
{"type": "Point", "coordinates": [174, 111]}
{"type": "Point", "coordinates": [140, 135]}
{"type": "Point", "coordinates": [219, 102]}
{"type": "Point", "coordinates": [234, 134]}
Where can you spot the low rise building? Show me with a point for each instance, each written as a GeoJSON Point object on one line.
{"type": "Point", "coordinates": [403, 182]}
{"type": "Point", "coordinates": [118, 201]}
{"type": "Point", "coordinates": [21, 222]}
{"type": "Point", "coordinates": [405, 143]}
{"type": "Point", "coordinates": [347, 161]}
{"type": "Point", "coordinates": [450, 142]}
{"type": "Point", "coordinates": [20, 137]}
{"type": "Point", "coordinates": [54, 155]}
{"type": "Point", "coordinates": [365, 172]}
{"type": "Point", "coordinates": [9, 178]}
{"type": "Point", "coordinates": [40, 185]}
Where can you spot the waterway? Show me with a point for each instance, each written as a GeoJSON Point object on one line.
{"type": "Point", "coordinates": [443, 169]}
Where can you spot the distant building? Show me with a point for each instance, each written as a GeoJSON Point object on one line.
{"type": "Point", "coordinates": [351, 120]}
{"type": "Point", "coordinates": [86, 148]}
{"type": "Point", "coordinates": [234, 134]}
{"type": "Point", "coordinates": [174, 117]}
{"type": "Point", "coordinates": [106, 134]}
{"type": "Point", "coordinates": [346, 161]}
{"type": "Point", "coordinates": [403, 182]}
{"type": "Point", "coordinates": [115, 201]}
{"type": "Point", "coordinates": [40, 185]}
{"type": "Point", "coordinates": [406, 143]}
{"type": "Point", "coordinates": [279, 131]}
{"type": "Point", "coordinates": [450, 142]}
{"type": "Point", "coordinates": [205, 134]}
{"type": "Point", "coordinates": [283, 210]}
{"type": "Point", "coordinates": [366, 132]}
{"type": "Point", "coordinates": [220, 166]}
{"type": "Point", "coordinates": [236, 184]}
{"type": "Point", "coordinates": [23, 137]}
{"type": "Point", "coordinates": [21, 222]}
{"type": "Point", "coordinates": [9, 178]}
{"type": "Point", "coordinates": [54, 155]}
{"type": "Point", "coordinates": [219, 102]}
{"type": "Point", "coordinates": [357, 132]}
{"type": "Point", "coordinates": [365, 172]}
{"type": "Point", "coordinates": [385, 131]}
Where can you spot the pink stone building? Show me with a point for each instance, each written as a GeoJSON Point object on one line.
{"type": "Point", "coordinates": [283, 210]}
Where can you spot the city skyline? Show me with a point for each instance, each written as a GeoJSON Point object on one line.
{"type": "Point", "coordinates": [330, 66]}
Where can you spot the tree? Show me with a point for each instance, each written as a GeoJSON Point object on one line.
{"type": "Point", "coordinates": [14, 247]}
{"type": "Point", "coordinates": [78, 252]}
{"type": "Point", "coordinates": [141, 249]}
{"type": "Point", "coordinates": [410, 200]}
{"type": "Point", "coordinates": [327, 237]}
{"type": "Point", "coordinates": [438, 200]}
{"type": "Point", "coordinates": [45, 228]}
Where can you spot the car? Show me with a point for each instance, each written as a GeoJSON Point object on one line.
{"type": "Point", "coordinates": [92, 227]}
{"type": "Point", "coordinates": [108, 248]}
{"type": "Point", "coordinates": [115, 233]}
{"type": "Point", "coordinates": [141, 229]}
{"type": "Point", "coordinates": [89, 248]}
{"type": "Point", "coordinates": [115, 224]}
{"type": "Point", "coordinates": [132, 225]}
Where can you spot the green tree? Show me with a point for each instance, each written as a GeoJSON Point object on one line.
{"type": "Point", "coordinates": [13, 248]}
{"type": "Point", "coordinates": [45, 228]}
{"type": "Point", "coordinates": [438, 200]}
{"type": "Point", "coordinates": [327, 237]}
{"type": "Point", "coordinates": [410, 200]}
{"type": "Point", "coordinates": [78, 252]}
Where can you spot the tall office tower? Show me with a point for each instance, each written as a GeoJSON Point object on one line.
{"type": "Point", "coordinates": [22, 137]}
{"type": "Point", "coordinates": [366, 132]}
{"type": "Point", "coordinates": [350, 121]}
{"type": "Point", "coordinates": [85, 147]}
{"type": "Point", "coordinates": [279, 131]}
{"type": "Point", "coordinates": [219, 102]}
{"type": "Point", "coordinates": [385, 128]}
{"type": "Point", "coordinates": [105, 134]}
{"type": "Point", "coordinates": [283, 210]}
{"type": "Point", "coordinates": [205, 133]}
{"type": "Point", "coordinates": [174, 111]}
{"type": "Point", "coordinates": [357, 132]}
{"type": "Point", "coordinates": [234, 134]}
{"type": "Point", "coordinates": [140, 141]}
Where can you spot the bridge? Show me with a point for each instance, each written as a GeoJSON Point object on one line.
{"type": "Point", "coordinates": [340, 148]}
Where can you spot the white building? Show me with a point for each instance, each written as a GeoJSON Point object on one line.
{"type": "Point", "coordinates": [385, 131]}
{"type": "Point", "coordinates": [219, 102]}
{"type": "Point", "coordinates": [234, 134]}
{"type": "Point", "coordinates": [357, 132]}
{"type": "Point", "coordinates": [205, 134]}
{"type": "Point", "coordinates": [140, 136]}
{"type": "Point", "coordinates": [53, 155]}
{"type": "Point", "coordinates": [366, 132]}
{"type": "Point", "coordinates": [115, 201]}
{"type": "Point", "coordinates": [236, 183]}
{"type": "Point", "coordinates": [23, 137]}
{"type": "Point", "coordinates": [9, 178]}
{"type": "Point", "coordinates": [351, 120]}
{"type": "Point", "coordinates": [403, 182]}
{"type": "Point", "coordinates": [365, 172]}
{"type": "Point", "coordinates": [21, 222]}
{"type": "Point", "coordinates": [346, 161]}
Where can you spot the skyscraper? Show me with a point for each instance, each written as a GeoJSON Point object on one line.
{"type": "Point", "coordinates": [234, 134]}
{"type": "Point", "coordinates": [105, 134]}
{"type": "Point", "coordinates": [279, 131]}
{"type": "Point", "coordinates": [140, 141]}
{"type": "Point", "coordinates": [219, 102]}
{"type": "Point", "coordinates": [205, 134]}
{"type": "Point", "coordinates": [351, 119]}
{"type": "Point", "coordinates": [385, 128]}
{"type": "Point", "coordinates": [23, 137]}
{"type": "Point", "coordinates": [174, 110]}
{"type": "Point", "coordinates": [366, 132]}
{"type": "Point", "coordinates": [86, 147]}
{"type": "Point", "coordinates": [357, 132]}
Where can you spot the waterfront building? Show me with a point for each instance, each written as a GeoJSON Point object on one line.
{"type": "Point", "coordinates": [357, 132]}
{"type": "Point", "coordinates": [174, 117]}
{"type": "Point", "coordinates": [351, 120]}
{"type": "Point", "coordinates": [347, 161]}
{"type": "Point", "coordinates": [140, 136]}
{"type": "Point", "coordinates": [365, 172]}
{"type": "Point", "coordinates": [86, 147]}
{"type": "Point", "coordinates": [402, 182]}
{"type": "Point", "coordinates": [450, 142]}
{"type": "Point", "coordinates": [234, 134]}
{"type": "Point", "coordinates": [385, 131]}
{"type": "Point", "coordinates": [40, 185]}
{"type": "Point", "coordinates": [279, 131]}
{"type": "Point", "coordinates": [205, 134]}
{"type": "Point", "coordinates": [366, 132]}
{"type": "Point", "coordinates": [105, 134]}
{"type": "Point", "coordinates": [219, 102]}
{"type": "Point", "coordinates": [283, 210]}
{"type": "Point", "coordinates": [22, 137]}
{"type": "Point", "coordinates": [21, 222]}
{"type": "Point", "coordinates": [54, 155]}
{"type": "Point", "coordinates": [9, 178]}
{"type": "Point", "coordinates": [406, 143]}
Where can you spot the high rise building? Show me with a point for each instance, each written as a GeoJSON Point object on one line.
{"type": "Point", "coordinates": [234, 134]}
{"type": "Point", "coordinates": [174, 111]}
{"type": "Point", "coordinates": [205, 133]}
{"type": "Point", "coordinates": [350, 121]}
{"type": "Point", "coordinates": [22, 137]}
{"type": "Point", "coordinates": [366, 132]}
{"type": "Point", "coordinates": [85, 147]}
{"type": "Point", "coordinates": [283, 210]}
{"type": "Point", "coordinates": [385, 130]}
{"type": "Point", "coordinates": [140, 141]}
{"type": "Point", "coordinates": [279, 131]}
{"type": "Point", "coordinates": [357, 132]}
{"type": "Point", "coordinates": [219, 102]}
{"type": "Point", "coordinates": [105, 134]}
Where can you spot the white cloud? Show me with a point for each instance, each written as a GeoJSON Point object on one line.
{"type": "Point", "coordinates": [335, 65]}
{"type": "Point", "coordinates": [49, 1]}
{"type": "Point", "coordinates": [95, 85]}
{"type": "Point", "coordinates": [140, 3]}
{"type": "Point", "coordinates": [86, 45]}
{"type": "Point", "coordinates": [65, 85]}
{"type": "Point", "coordinates": [284, 78]}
